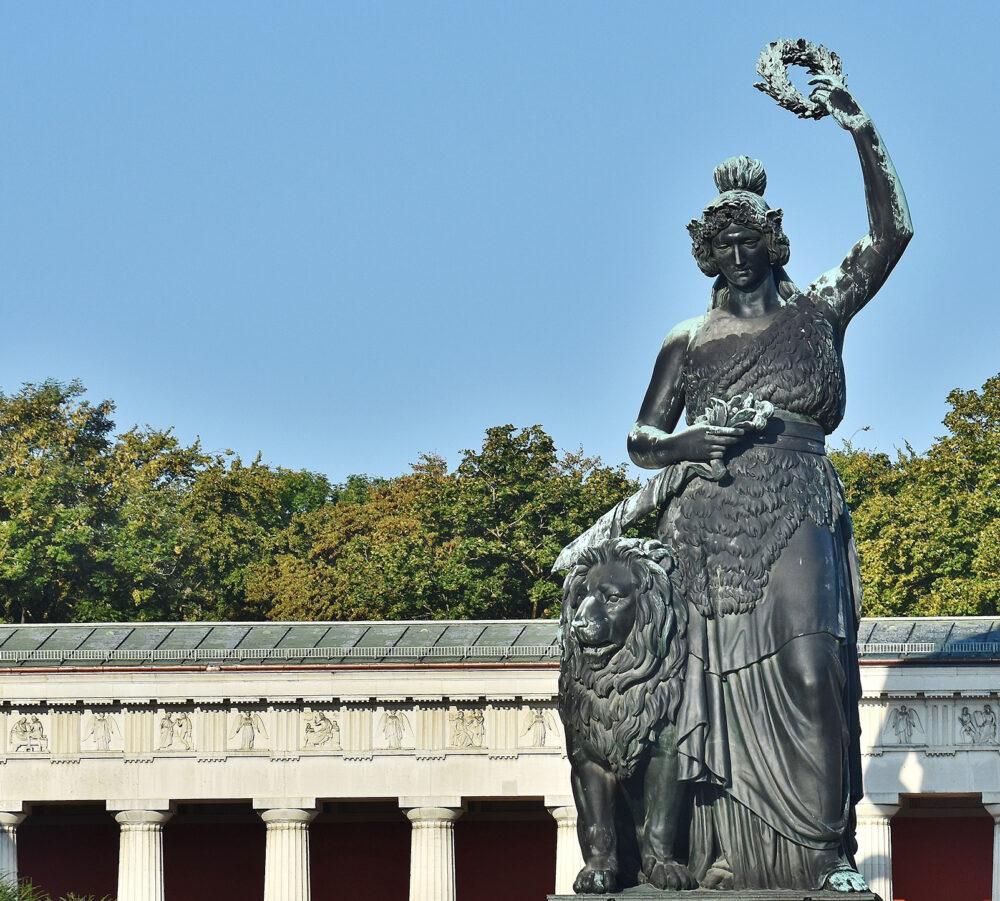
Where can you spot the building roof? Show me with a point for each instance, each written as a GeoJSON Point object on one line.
{"type": "Point", "coordinates": [413, 642]}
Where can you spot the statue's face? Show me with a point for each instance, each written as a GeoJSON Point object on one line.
{"type": "Point", "coordinates": [742, 256]}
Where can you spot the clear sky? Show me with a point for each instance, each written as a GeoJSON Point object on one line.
{"type": "Point", "coordinates": [345, 233]}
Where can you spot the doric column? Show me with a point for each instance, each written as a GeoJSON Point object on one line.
{"type": "Point", "coordinates": [875, 845]}
{"type": "Point", "coordinates": [286, 858]}
{"type": "Point", "coordinates": [8, 844]}
{"type": "Point", "coordinates": [569, 858]}
{"type": "Point", "coordinates": [432, 853]}
{"type": "Point", "coordinates": [140, 854]}
{"type": "Point", "coordinates": [994, 811]}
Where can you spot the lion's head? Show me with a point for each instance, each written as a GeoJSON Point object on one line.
{"type": "Point", "coordinates": [623, 649]}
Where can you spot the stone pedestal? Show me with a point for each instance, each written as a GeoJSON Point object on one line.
{"type": "Point", "coordinates": [646, 894]}
{"type": "Point", "coordinates": [875, 845]}
{"type": "Point", "coordinates": [140, 854]}
{"type": "Point", "coordinates": [8, 844]}
{"type": "Point", "coordinates": [286, 856]}
{"type": "Point", "coordinates": [432, 853]}
{"type": "Point", "coordinates": [569, 858]}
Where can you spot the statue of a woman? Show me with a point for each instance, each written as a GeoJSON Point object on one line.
{"type": "Point", "coordinates": [768, 731]}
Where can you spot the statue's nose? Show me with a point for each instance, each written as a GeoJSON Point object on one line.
{"type": "Point", "coordinates": [736, 254]}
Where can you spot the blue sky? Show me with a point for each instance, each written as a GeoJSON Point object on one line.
{"type": "Point", "coordinates": [345, 234]}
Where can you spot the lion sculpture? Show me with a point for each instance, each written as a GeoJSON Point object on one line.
{"type": "Point", "coordinates": [620, 683]}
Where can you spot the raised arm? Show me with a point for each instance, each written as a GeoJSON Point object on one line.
{"type": "Point", "coordinates": [651, 443]}
{"type": "Point", "coordinates": [866, 267]}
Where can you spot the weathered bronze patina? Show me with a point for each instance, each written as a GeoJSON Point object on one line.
{"type": "Point", "coordinates": [765, 731]}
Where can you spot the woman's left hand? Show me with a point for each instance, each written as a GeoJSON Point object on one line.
{"type": "Point", "coordinates": [831, 93]}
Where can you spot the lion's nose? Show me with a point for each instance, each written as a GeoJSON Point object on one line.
{"type": "Point", "coordinates": [586, 622]}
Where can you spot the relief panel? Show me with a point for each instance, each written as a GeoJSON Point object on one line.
{"type": "Point", "coordinates": [394, 730]}
{"type": "Point", "coordinates": [321, 729]}
{"type": "Point", "coordinates": [539, 728]}
{"type": "Point", "coordinates": [247, 731]}
{"type": "Point", "coordinates": [29, 732]}
{"type": "Point", "coordinates": [100, 730]}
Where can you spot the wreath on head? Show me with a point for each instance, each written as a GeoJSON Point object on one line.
{"type": "Point", "coordinates": [773, 65]}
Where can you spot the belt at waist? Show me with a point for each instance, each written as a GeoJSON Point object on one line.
{"type": "Point", "coordinates": [787, 434]}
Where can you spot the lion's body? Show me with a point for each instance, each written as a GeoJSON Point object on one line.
{"type": "Point", "coordinates": [620, 683]}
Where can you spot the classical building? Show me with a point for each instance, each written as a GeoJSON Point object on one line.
{"type": "Point", "coordinates": [413, 760]}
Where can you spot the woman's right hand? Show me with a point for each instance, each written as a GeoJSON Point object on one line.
{"type": "Point", "coordinates": [703, 443]}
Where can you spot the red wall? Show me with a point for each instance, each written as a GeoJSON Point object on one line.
{"type": "Point", "coordinates": [501, 860]}
{"type": "Point", "coordinates": [211, 861]}
{"type": "Point", "coordinates": [369, 860]}
{"type": "Point", "coordinates": [63, 858]}
{"type": "Point", "coordinates": [942, 858]}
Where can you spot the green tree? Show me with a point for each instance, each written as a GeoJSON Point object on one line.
{"type": "Point", "coordinates": [148, 475]}
{"type": "Point", "coordinates": [232, 515]}
{"type": "Point", "coordinates": [518, 504]}
{"type": "Point", "coordinates": [474, 543]}
{"type": "Point", "coordinates": [53, 505]}
{"type": "Point", "coordinates": [138, 527]}
{"type": "Point", "coordinates": [928, 526]}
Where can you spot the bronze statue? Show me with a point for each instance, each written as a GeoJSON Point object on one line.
{"type": "Point", "coordinates": [767, 729]}
{"type": "Point", "coordinates": [623, 634]}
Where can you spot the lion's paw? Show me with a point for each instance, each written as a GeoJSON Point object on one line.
{"type": "Point", "coordinates": [668, 874]}
{"type": "Point", "coordinates": [719, 876]}
{"type": "Point", "coordinates": [846, 880]}
{"type": "Point", "coordinates": [590, 881]}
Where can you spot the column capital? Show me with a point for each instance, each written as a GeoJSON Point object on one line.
{"type": "Point", "coordinates": [867, 810]}
{"type": "Point", "coordinates": [433, 814]}
{"type": "Point", "coordinates": [9, 820]}
{"type": "Point", "coordinates": [288, 816]}
{"type": "Point", "coordinates": [993, 809]}
{"type": "Point", "coordinates": [127, 818]}
{"type": "Point", "coordinates": [566, 813]}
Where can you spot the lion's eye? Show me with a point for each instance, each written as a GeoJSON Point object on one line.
{"type": "Point", "coordinates": [613, 598]}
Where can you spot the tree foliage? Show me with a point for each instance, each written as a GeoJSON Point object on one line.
{"type": "Point", "coordinates": [474, 543]}
{"type": "Point", "coordinates": [96, 526]}
{"type": "Point", "coordinates": [133, 527]}
{"type": "Point", "coordinates": [928, 525]}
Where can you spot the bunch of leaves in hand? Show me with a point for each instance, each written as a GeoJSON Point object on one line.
{"type": "Point", "coordinates": [737, 412]}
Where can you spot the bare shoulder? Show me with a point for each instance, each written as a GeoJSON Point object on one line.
{"type": "Point", "coordinates": [682, 334]}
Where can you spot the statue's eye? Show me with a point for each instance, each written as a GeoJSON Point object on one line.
{"type": "Point", "coordinates": [750, 242]}
{"type": "Point", "coordinates": [612, 598]}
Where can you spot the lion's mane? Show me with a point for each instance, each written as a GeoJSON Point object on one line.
{"type": "Point", "coordinates": [619, 707]}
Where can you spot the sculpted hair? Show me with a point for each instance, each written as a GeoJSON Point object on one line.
{"type": "Point", "coordinates": [621, 705]}
{"type": "Point", "coordinates": [741, 181]}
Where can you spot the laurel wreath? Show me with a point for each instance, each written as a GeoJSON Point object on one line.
{"type": "Point", "coordinates": [773, 65]}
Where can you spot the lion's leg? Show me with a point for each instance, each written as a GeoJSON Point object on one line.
{"type": "Point", "coordinates": [663, 797]}
{"type": "Point", "coordinates": [594, 793]}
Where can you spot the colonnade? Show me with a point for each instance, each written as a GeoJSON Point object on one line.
{"type": "Point", "coordinates": [286, 863]}
{"type": "Point", "coordinates": [432, 848]}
